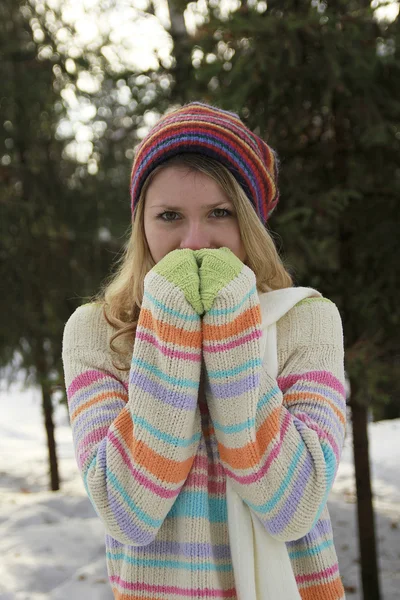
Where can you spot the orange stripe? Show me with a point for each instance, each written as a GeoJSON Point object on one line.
{"type": "Point", "coordinates": [250, 318]}
{"type": "Point", "coordinates": [320, 591]}
{"type": "Point", "coordinates": [169, 333]}
{"type": "Point", "coordinates": [250, 455]}
{"type": "Point", "coordinates": [165, 469]}
{"type": "Point", "coordinates": [294, 396]}
{"type": "Point", "coordinates": [97, 399]}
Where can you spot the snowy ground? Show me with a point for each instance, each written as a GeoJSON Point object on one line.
{"type": "Point", "coordinates": [51, 544]}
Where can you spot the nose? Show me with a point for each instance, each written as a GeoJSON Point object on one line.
{"type": "Point", "coordinates": [195, 237]}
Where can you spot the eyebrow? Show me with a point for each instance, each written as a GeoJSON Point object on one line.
{"type": "Point", "coordinates": [177, 208]}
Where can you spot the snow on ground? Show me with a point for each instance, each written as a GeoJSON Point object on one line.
{"type": "Point", "coordinates": [51, 543]}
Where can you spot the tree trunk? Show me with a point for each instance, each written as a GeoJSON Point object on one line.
{"type": "Point", "coordinates": [365, 512]}
{"type": "Point", "coordinates": [181, 51]}
{"type": "Point", "coordinates": [51, 442]}
{"type": "Point", "coordinates": [47, 406]}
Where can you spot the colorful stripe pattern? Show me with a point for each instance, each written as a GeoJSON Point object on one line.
{"type": "Point", "coordinates": [279, 441]}
{"type": "Point", "coordinates": [218, 134]}
{"type": "Point", "coordinates": [154, 460]}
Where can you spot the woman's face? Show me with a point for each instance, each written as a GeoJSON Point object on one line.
{"type": "Point", "coordinates": [187, 209]}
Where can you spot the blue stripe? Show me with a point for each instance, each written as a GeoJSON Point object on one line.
{"type": "Point", "coordinates": [330, 460]}
{"type": "Point", "coordinates": [197, 505]}
{"type": "Point", "coordinates": [165, 437]}
{"type": "Point", "coordinates": [144, 517]}
{"type": "Point", "coordinates": [226, 311]}
{"type": "Point", "coordinates": [171, 311]}
{"type": "Point", "coordinates": [163, 394]}
{"type": "Point", "coordinates": [255, 362]}
{"type": "Point", "coordinates": [311, 551]}
{"type": "Point", "coordinates": [169, 564]}
{"type": "Point", "coordinates": [270, 504]}
{"type": "Point", "coordinates": [267, 397]}
{"type": "Point", "coordinates": [235, 157]}
{"type": "Point", "coordinates": [185, 383]}
{"type": "Point", "coordinates": [249, 424]}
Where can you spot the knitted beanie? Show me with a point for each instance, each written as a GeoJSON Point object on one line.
{"type": "Point", "coordinates": [216, 133]}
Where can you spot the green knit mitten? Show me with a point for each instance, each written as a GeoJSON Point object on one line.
{"type": "Point", "coordinates": [180, 268]}
{"type": "Point", "coordinates": [216, 269]}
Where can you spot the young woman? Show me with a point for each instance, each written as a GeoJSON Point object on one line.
{"type": "Point", "coordinates": [169, 398]}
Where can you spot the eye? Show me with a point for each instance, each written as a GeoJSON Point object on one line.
{"type": "Point", "coordinates": [168, 215]}
{"type": "Point", "coordinates": [221, 212]}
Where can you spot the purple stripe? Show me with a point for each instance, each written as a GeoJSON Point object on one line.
{"type": "Point", "coordinates": [303, 423]}
{"type": "Point", "coordinates": [186, 549]}
{"type": "Point", "coordinates": [286, 513]}
{"type": "Point", "coordinates": [317, 412]}
{"type": "Point", "coordinates": [217, 141]}
{"type": "Point", "coordinates": [162, 393]}
{"type": "Point", "coordinates": [94, 437]}
{"type": "Point", "coordinates": [121, 514]}
{"type": "Point", "coordinates": [235, 388]}
{"type": "Point", "coordinates": [93, 415]}
{"type": "Point", "coordinates": [124, 519]}
{"type": "Point", "coordinates": [322, 529]}
{"type": "Point", "coordinates": [89, 392]}
{"type": "Point", "coordinates": [327, 392]}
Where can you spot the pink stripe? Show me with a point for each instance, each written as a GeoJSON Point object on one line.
{"type": "Point", "coordinates": [173, 589]}
{"type": "Point", "coordinates": [205, 483]}
{"type": "Point", "coordinates": [146, 337]}
{"type": "Point", "coordinates": [96, 435]}
{"type": "Point", "coordinates": [318, 575]}
{"type": "Point", "coordinates": [153, 487]}
{"type": "Point", "coordinates": [239, 342]}
{"type": "Point", "coordinates": [85, 379]}
{"type": "Point", "coordinates": [324, 377]}
{"type": "Point", "coordinates": [271, 456]}
{"type": "Point", "coordinates": [82, 458]}
{"type": "Point", "coordinates": [323, 435]}
{"type": "Point", "coordinates": [213, 469]}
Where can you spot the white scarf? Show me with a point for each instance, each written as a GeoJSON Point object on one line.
{"type": "Point", "coordinates": [261, 564]}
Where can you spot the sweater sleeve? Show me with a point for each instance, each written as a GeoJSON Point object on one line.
{"type": "Point", "coordinates": [279, 440]}
{"type": "Point", "coordinates": [135, 441]}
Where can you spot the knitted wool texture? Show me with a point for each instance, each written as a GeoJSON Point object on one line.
{"type": "Point", "coordinates": [154, 454]}
{"type": "Point", "coordinates": [218, 134]}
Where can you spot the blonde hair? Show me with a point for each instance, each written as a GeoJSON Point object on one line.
{"type": "Point", "coordinates": [122, 293]}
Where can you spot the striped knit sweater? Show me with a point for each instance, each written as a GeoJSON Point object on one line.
{"type": "Point", "coordinates": [154, 452]}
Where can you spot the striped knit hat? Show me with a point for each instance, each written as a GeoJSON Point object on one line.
{"type": "Point", "coordinates": [221, 135]}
